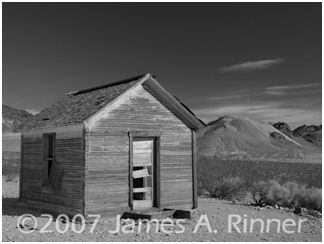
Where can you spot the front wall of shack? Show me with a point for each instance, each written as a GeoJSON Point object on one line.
{"type": "Point", "coordinates": [107, 154]}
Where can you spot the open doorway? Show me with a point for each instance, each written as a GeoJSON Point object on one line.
{"type": "Point", "coordinates": [144, 173]}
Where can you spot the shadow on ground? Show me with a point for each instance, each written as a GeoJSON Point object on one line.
{"type": "Point", "coordinates": [12, 207]}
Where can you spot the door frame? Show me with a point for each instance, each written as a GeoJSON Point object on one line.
{"type": "Point", "coordinates": [149, 135]}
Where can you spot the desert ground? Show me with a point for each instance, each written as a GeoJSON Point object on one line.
{"type": "Point", "coordinates": [217, 212]}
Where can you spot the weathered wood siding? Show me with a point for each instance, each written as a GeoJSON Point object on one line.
{"type": "Point", "coordinates": [107, 153]}
{"type": "Point", "coordinates": [67, 195]}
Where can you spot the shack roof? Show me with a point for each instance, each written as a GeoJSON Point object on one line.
{"type": "Point", "coordinates": [75, 107]}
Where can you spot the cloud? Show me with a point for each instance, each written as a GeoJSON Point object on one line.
{"type": "Point", "coordinates": [223, 96]}
{"type": "Point", "coordinates": [252, 65]}
{"type": "Point", "coordinates": [265, 111]}
{"type": "Point", "coordinates": [282, 90]}
{"type": "Point", "coordinates": [302, 104]}
{"type": "Point", "coordinates": [227, 97]}
{"type": "Point", "coordinates": [235, 109]}
{"type": "Point", "coordinates": [32, 111]}
{"type": "Point", "coordinates": [259, 93]}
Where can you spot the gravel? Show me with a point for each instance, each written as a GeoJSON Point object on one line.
{"type": "Point", "coordinates": [216, 211]}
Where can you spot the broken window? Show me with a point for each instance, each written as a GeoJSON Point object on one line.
{"type": "Point", "coordinates": [49, 159]}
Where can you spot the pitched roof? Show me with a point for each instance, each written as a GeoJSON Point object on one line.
{"type": "Point", "coordinates": [76, 107]}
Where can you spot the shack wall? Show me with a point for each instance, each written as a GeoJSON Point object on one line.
{"type": "Point", "coordinates": [67, 195]}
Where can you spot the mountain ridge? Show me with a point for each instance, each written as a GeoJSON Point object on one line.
{"type": "Point", "coordinates": [12, 117]}
{"type": "Point", "coordinates": [245, 139]}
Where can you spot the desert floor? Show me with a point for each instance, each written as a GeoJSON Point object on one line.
{"type": "Point", "coordinates": [217, 212]}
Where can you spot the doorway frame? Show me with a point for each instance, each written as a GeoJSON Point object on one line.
{"type": "Point", "coordinates": [156, 137]}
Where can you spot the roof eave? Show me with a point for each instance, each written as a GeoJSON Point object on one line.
{"type": "Point", "coordinates": [170, 102]}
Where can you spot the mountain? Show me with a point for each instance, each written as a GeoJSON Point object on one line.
{"type": "Point", "coordinates": [284, 128]}
{"type": "Point", "coordinates": [311, 133]}
{"type": "Point", "coordinates": [246, 139]}
{"type": "Point", "coordinates": [11, 118]}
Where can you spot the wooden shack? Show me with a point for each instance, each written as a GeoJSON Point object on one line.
{"type": "Point", "coordinates": [127, 145]}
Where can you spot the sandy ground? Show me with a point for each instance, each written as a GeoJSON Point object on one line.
{"type": "Point", "coordinates": [217, 212]}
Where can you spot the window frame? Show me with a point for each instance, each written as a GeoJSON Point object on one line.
{"type": "Point", "coordinates": [46, 180]}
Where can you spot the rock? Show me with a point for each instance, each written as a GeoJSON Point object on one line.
{"type": "Point", "coordinates": [277, 136]}
{"type": "Point", "coordinates": [314, 213]}
{"type": "Point", "coordinates": [304, 129]}
{"type": "Point", "coordinates": [284, 128]}
{"type": "Point", "coordinates": [299, 210]}
{"type": "Point", "coordinates": [235, 201]}
{"type": "Point", "coordinates": [311, 133]}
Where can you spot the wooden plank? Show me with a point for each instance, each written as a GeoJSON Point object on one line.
{"type": "Point", "coordinates": [147, 133]}
{"type": "Point", "coordinates": [142, 204]}
{"type": "Point", "coordinates": [194, 170]}
{"type": "Point", "coordinates": [142, 145]}
{"type": "Point", "coordinates": [140, 173]}
{"type": "Point", "coordinates": [63, 131]}
{"type": "Point", "coordinates": [21, 167]}
{"type": "Point", "coordinates": [141, 163]}
{"type": "Point", "coordinates": [142, 189]}
{"type": "Point", "coordinates": [130, 135]}
{"type": "Point", "coordinates": [83, 152]}
{"type": "Point", "coordinates": [157, 172]}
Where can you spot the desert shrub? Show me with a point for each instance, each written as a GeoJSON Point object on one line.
{"type": "Point", "coordinates": [210, 168]}
{"type": "Point", "coordinates": [228, 188]}
{"type": "Point", "coordinates": [278, 194]}
{"type": "Point", "coordinates": [269, 193]}
{"type": "Point", "coordinates": [289, 194]}
{"type": "Point", "coordinates": [258, 193]}
{"type": "Point", "coordinates": [310, 198]}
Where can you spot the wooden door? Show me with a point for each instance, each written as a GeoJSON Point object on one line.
{"type": "Point", "coordinates": [143, 173]}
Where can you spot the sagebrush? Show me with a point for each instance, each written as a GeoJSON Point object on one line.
{"type": "Point", "coordinates": [289, 194]}
{"type": "Point", "coordinates": [211, 169]}
{"type": "Point", "coordinates": [228, 188]}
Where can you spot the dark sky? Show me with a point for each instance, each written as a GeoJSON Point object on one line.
{"type": "Point", "coordinates": [261, 61]}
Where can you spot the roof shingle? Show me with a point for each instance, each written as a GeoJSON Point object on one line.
{"type": "Point", "coordinates": [75, 107]}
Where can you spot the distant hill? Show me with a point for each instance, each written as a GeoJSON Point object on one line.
{"type": "Point", "coordinates": [311, 133]}
{"type": "Point", "coordinates": [284, 128]}
{"type": "Point", "coordinates": [11, 118]}
{"type": "Point", "coordinates": [245, 139]}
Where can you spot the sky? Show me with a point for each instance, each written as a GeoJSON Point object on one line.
{"type": "Point", "coordinates": [256, 60]}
